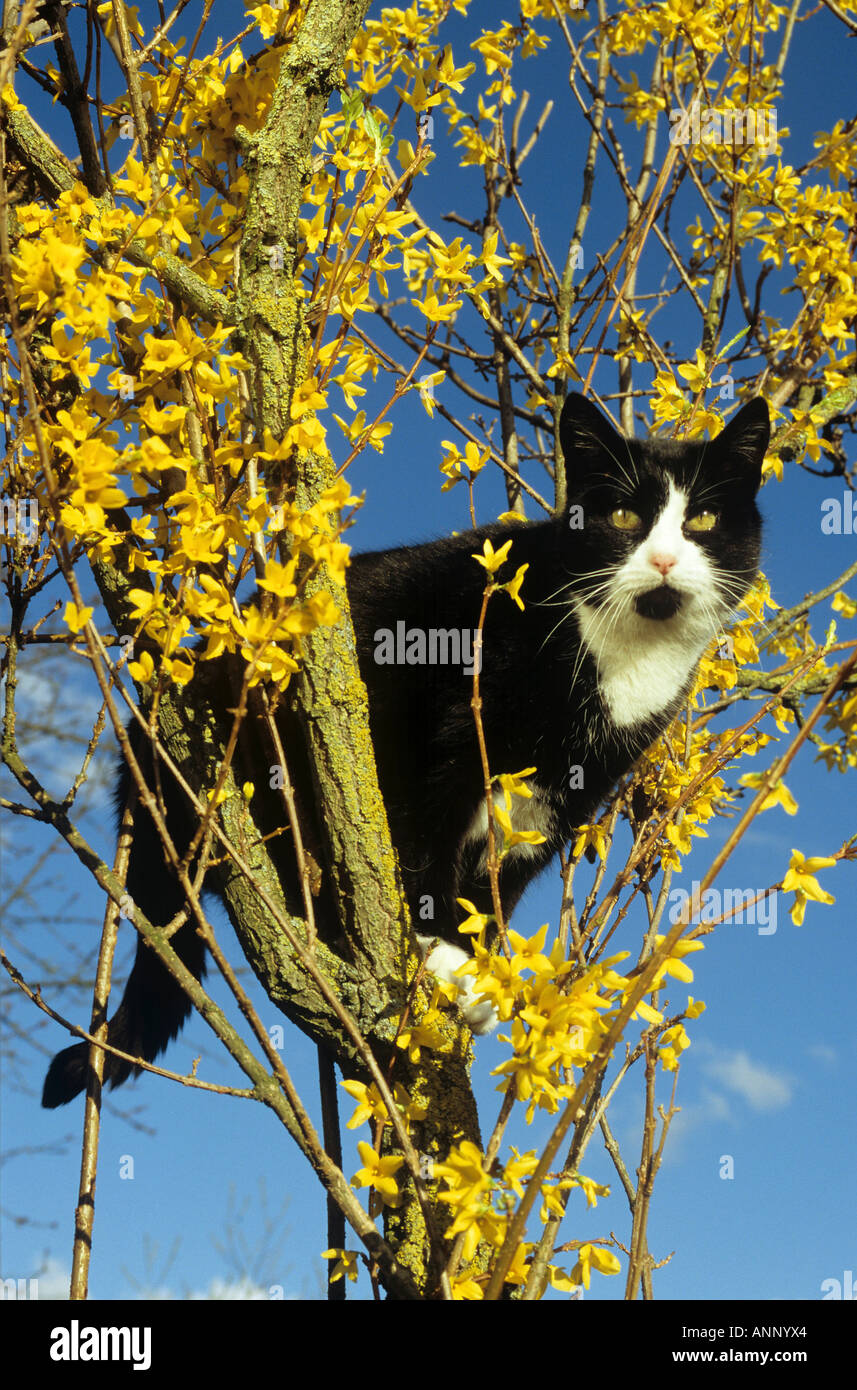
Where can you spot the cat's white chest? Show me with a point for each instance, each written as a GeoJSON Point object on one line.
{"type": "Point", "coordinates": [642, 666]}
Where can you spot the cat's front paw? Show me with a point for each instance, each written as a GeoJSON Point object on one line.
{"type": "Point", "coordinates": [444, 959]}
{"type": "Point", "coordinates": [479, 1014]}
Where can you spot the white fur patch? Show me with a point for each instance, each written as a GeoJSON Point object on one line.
{"type": "Point", "coordinates": [644, 663]}
{"type": "Point", "coordinates": [443, 961]}
{"type": "Point", "coordinates": [527, 813]}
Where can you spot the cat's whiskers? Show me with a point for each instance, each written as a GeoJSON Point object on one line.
{"type": "Point", "coordinates": [622, 485]}
{"type": "Point", "coordinates": [618, 461]}
{"type": "Point", "coordinates": [713, 489]}
{"type": "Point", "coordinates": [607, 613]}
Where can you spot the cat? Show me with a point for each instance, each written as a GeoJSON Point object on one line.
{"type": "Point", "coordinates": [622, 594]}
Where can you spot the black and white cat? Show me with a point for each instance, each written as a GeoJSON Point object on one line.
{"type": "Point", "coordinates": [622, 595]}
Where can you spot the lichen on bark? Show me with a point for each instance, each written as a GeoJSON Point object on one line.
{"type": "Point", "coordinates": [330, 696]}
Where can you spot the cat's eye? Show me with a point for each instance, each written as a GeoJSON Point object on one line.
{"type": "Point", "coordinates": [625, 520]}
{"type": "Point", "coordinates": [703, 521]}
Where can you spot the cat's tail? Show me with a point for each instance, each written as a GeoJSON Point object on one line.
{"type": "Point", "coordinates": [153, 1011]}
{"type": "Point", "coordinates": [154, 1006]}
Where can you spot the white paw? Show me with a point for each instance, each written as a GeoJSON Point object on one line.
{"type": "Point", "coordinates": [443, 960]}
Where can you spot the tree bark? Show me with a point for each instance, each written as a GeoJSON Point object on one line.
{"type": "Point", "coordinates": [330, 696]}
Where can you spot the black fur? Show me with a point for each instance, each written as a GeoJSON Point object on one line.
{"type": "Point", "coordinates": [541, 700]}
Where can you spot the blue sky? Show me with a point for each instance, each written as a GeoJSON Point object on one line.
{"type": "Point", "coordinates": [769, 1079]}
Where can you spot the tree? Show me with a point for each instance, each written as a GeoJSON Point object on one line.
{"type": "Point", "coordinates": [187, 300]}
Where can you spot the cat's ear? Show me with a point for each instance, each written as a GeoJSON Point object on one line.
{"type": "Point", "coordinates": [743, 442]}
{"type": "Point", "coordinates": [586, 436]}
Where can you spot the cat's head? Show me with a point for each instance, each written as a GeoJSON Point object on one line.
{"type": "Point", "coordinates": [662, 529]}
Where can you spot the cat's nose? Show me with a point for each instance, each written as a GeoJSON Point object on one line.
{"type": "Point", "coordinates": [663, 563]}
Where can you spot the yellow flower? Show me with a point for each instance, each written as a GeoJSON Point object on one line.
{"type": "Point", "coordinates": [308, 434]}
{"type": "Point", "coordinates": [423, 1034]}
{"type": "Point", "coordinates": [463, 1286]}
{"type": "Point", "coordinates": [475, 458]}
{"type": "Point", "coordinates": [490, 260]}
{"type": "Point", "coordinates": [513, 587]}
{"type": "Point", "coordinates": [494, 979]}
{"type": "Point", "coordinates": [370, 1104]}
{"type": "Point", "coordinates": [528, 954]}
{"type": "Point", "coordinates": [163, 355]}
{"type": "Point", "coordinates": [778, 794]}
{"type": "Point", "coordinates": [800, 881]}
{"type": "Point", "coordinates": [845, 605]}
{"type": "Point", "coordinates": [476, 921]}
{"type": "Point", "coordinates": [696, 374]}
{"type": "Point", "coordinates": [591, 1190]}
{"type": "Point", "coordinates": [674, 964]}
{"type": "Point", "coordinates": [279, 579]}
{"type": "Point", "coordinates": [377, 1173]}
{"type": "Point", "coordinates": [493, 55]}
{"type": "Point", "coordinates": [593, 835]}
{"type": "Point", "coordinates": [515, 784]}
{"type": "Point", "coordinates": [76, 618]}
{"type": "Point", "coordinates": [593, 1257]}
{"type": "Point", "coordinates": [347, 1263]}
{"type": "Point", "coordinates": [165, 421]}
{"type": "Point", "coordinates": [201, 547]}
{"type": "Point", "coordinates": [450, 466]}
{"type": "Point", "coordinates": [307, 397]}
{"type": "Point", "coordinates": [436, 312]}
{"type": "Point", "coordinates": [560, 1280]}
{"type": "Point", "coordinates": [673, 1042]}
{"type": "Point", "coordinates": [464, 1173]}
{"type": "Point", "coordinates": [520, 1166]}
{"type": "Point", "coordinates": [519, 1269]}
{"type": "Point", "coordinates": [142, 670]}
{"type": "Point", "coordinates": [490, 559]}
{"type": "Point", "coordinates": [646, 1012]}
{"type": "Point", "coordinates": [511, 836]}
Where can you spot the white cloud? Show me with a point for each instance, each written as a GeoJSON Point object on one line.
{"type": "Point", "coordinates": [232, 1290]}
{"type": "Point", "coordinates": [758, 1085]}
{"type": "Point", "coordinates": [52, 1278]}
